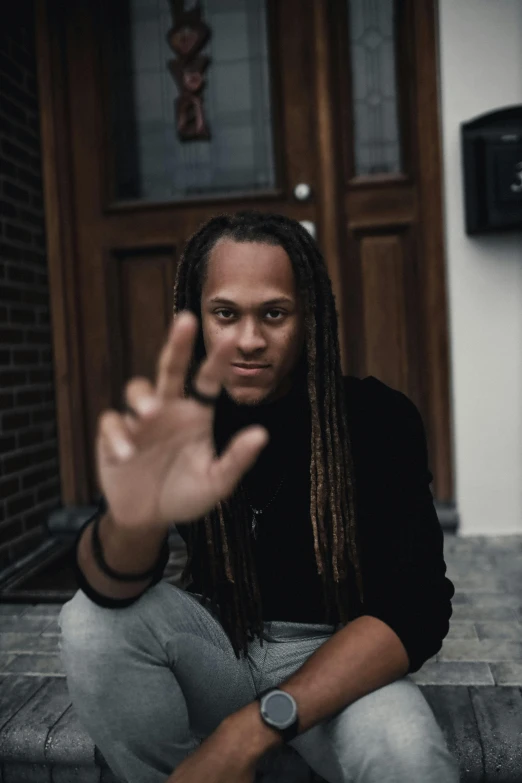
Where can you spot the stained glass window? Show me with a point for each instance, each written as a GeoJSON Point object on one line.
{"type": "Point", "coordinates": [152, 163]}
{"type": "Point", "coordinates": [372, 49]}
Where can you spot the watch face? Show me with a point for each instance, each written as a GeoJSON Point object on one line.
{"type": "Point", "coordinates": [279, 709]}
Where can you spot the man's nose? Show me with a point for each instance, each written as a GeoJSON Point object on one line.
{"type": "Point", "coordinates": [250, 336]}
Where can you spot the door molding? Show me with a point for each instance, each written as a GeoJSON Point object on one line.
{"type": "Point", "coordinates": [61, 251]}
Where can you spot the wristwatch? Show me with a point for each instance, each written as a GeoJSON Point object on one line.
{"type": "Point", "coordinates": [279, 711]}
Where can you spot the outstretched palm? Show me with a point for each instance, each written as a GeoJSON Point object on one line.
{"type": "Point", "coordinates": [171, 473]}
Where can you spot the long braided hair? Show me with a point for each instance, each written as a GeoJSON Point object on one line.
{"type": "Point", "coordinates": [222, 537]}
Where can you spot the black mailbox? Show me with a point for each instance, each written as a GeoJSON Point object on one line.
{"type": "Point", "coordinates": [492, 162]}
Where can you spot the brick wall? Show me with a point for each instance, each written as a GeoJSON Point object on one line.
{"type": "Point", "coordinates": [29, 480]}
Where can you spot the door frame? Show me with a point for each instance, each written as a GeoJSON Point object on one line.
{"type": "Point", "coordinates": [61, 235]}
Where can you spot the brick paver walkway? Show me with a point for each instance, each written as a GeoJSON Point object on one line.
{"type": "Point", "coordinates": [39, 731]}
{"type": "Point", "coordinates": [484, 645]}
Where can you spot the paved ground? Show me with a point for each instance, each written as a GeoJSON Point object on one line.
{"type": "Point", "coordinates": [483, 648]}
{"type": "Point", "coordinates": [484, 645]}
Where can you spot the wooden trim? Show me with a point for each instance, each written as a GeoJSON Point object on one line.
{"type": "Point", "coordinates": [405, 84]}
{"type": "Point", "coordinates": [329, 188]}
{"type": "Point", "coordinates": [378, 180]}
{"type": "Point", "coordinates": [431, 241]}
{"type": "Point", "coordinates": [136, 205]}
{"type": "Point", "coordinates": [59, 222]}
{"type": "Point", "coordinates": [110, 201]}
{"type": "Point", "coordinates": [405, 91]}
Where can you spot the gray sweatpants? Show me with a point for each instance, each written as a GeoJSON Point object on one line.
{"type": "Point", "coordinates": [148, 682]}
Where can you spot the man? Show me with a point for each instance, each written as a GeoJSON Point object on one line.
{"type": "Point", "coordinates": [315, 554]}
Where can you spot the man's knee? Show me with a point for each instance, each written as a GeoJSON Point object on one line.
{"type": "Point", "coordinates": [81, 620]}
{"type": "Point", "coordinates": [90, 632]}
{"type": "Point", "coordinates": [408, 746]}
{"type": "Point", "coordinates": [394, 731]}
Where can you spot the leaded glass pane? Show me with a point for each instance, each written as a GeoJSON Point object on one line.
{"type": "Point", "coordinates": [372, 48]}
{"type": "Point", "coordinates": [152, 163]}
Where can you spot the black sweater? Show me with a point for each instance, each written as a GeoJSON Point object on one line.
{"type": "Point", "coordinates": [399, 536]}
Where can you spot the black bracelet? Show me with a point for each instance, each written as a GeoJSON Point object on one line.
{"type": "Point", "coordinates": [102, 565]}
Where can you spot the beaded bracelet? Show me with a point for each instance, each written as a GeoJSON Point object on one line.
{"type": "Point", "coordinates": [102, 565]}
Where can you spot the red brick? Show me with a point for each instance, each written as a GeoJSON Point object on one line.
{"type": "Point", "coordinates": [25, 356]}
{"type": "Point", "coordinates": [30, 438]}
{"type": "Point", "coordinates": [6, 400]}
{"type": "Point", "coordinates": [38, 337]}
{"type": "Point", "coordinates": [12, 377]}
{"type": "Point", "coordinates": [19, 316]}
{"type": "Point", "coordinates": [10, 294]}
{"type": "Point", "coordinates": [28, 459]}
{"type": "Point", "coordinates": [10, 529]}
{"type": "Point", "coordinates": [27, 543]}
{"type": "Point", "coordinates": [7, 209]}
{"type": "Point", "coordinates": [14, 421]}
{"type": "Point", "coordinates": [30, 397]}
{"type": "Point", "coordinates": [45, 414]}
{"type": "Point", "coordinates": [37, 477]}
{"type": "Point", "coordinates": [21, 275]}
{"type": "Point", "coordinates": [28, 426]}
{"type": "Point", "coordinates": [49, 491]}
{"type": "Point", "coordinates": [9, 336]}
{"type": "Point", "coordinates": [9, 487]}
{"type": "Point", "coordinates": [14, 192]}
{"type": "Point", "coordinates": [7, 443]}
{"type": "Point", "coordinates": [19, 504]}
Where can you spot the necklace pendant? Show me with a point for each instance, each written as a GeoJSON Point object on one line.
{"type": "Point", "coordinates": [254, 521]}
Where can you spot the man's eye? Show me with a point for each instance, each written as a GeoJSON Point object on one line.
{"type": "Point", "coordinates": [224, 310]}
{"type": "Point", "coordinates": [225, 314]}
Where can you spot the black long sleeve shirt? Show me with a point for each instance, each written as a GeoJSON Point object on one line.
{"type": "Point", "coordinates": [399, 536]}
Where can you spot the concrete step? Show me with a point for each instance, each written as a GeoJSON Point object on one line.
{"type": "Point", "coordinates": [42, 741]}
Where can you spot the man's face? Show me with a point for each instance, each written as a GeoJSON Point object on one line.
{"type": "Point", "coordinates": [250, 291]}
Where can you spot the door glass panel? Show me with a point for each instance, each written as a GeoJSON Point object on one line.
{"type": "Point", "coordinates": [151, 162]}
{"type": "Point", "coordinates": [372, 48]}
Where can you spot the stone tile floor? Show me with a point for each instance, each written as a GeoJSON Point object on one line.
{"type": "Point", "coordinates": [483, 648]}
{"type": "Point", "coordinates": [484, 645]}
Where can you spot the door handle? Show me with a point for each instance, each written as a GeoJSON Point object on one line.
{"type": "Point", "coordinates": [302, 191]}
{"type": "Point", "coordinates": [310, 227]}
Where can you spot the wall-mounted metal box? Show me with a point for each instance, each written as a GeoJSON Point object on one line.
{"type": "Point", "coordinates": [492, 168]}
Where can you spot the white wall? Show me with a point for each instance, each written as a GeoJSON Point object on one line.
{"type": "Point", "coordinates": [481, 70]}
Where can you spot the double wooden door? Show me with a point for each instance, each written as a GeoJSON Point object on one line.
{"type": "Point", "coordinates": [325, 110]}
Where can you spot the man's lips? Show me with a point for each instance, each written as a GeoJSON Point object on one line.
{"type": "Point", "coordinates": [249, 370]}
{"type": "Point", "coordinates": [249, 366]}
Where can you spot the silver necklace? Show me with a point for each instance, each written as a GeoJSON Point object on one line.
{"type": "Point", "coordinates": [257, 511]}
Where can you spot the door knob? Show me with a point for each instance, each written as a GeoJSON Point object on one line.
{"type": "Point", "coordinates": [310, 227]}
{"type": "Point", "coordinates": [302, 191]}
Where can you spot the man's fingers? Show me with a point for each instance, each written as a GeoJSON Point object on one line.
{"type": "Point", "coordinates": [174, 359]}
{"type": "Point", "coordinates": [141, 397]}
{"type": "Point", "coordinates": [114, 438]}
{"type": "Point", "coordinates": [240, 455]}
{"type": "Point", "coordinates": [215, 369]}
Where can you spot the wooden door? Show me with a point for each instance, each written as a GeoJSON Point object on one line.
{"type": "Point", "coordinates": [117, 223]}
{"type": "Point", "coordinates": [130, 233]}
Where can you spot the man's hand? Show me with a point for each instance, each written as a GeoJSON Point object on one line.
{"type": "Point", "coordinates": [168, 471]}
{"type": "Point", "coordinates": [222, 758]}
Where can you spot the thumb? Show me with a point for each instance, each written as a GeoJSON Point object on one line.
{"type": "Point", "coordinates": [239, 456]}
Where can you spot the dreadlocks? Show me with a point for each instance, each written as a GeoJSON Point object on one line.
{"type": "Point", "coordinates": [228, 572]}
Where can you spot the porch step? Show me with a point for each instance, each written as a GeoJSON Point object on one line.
{"type": "Point", "coordinates": [42, 741]}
